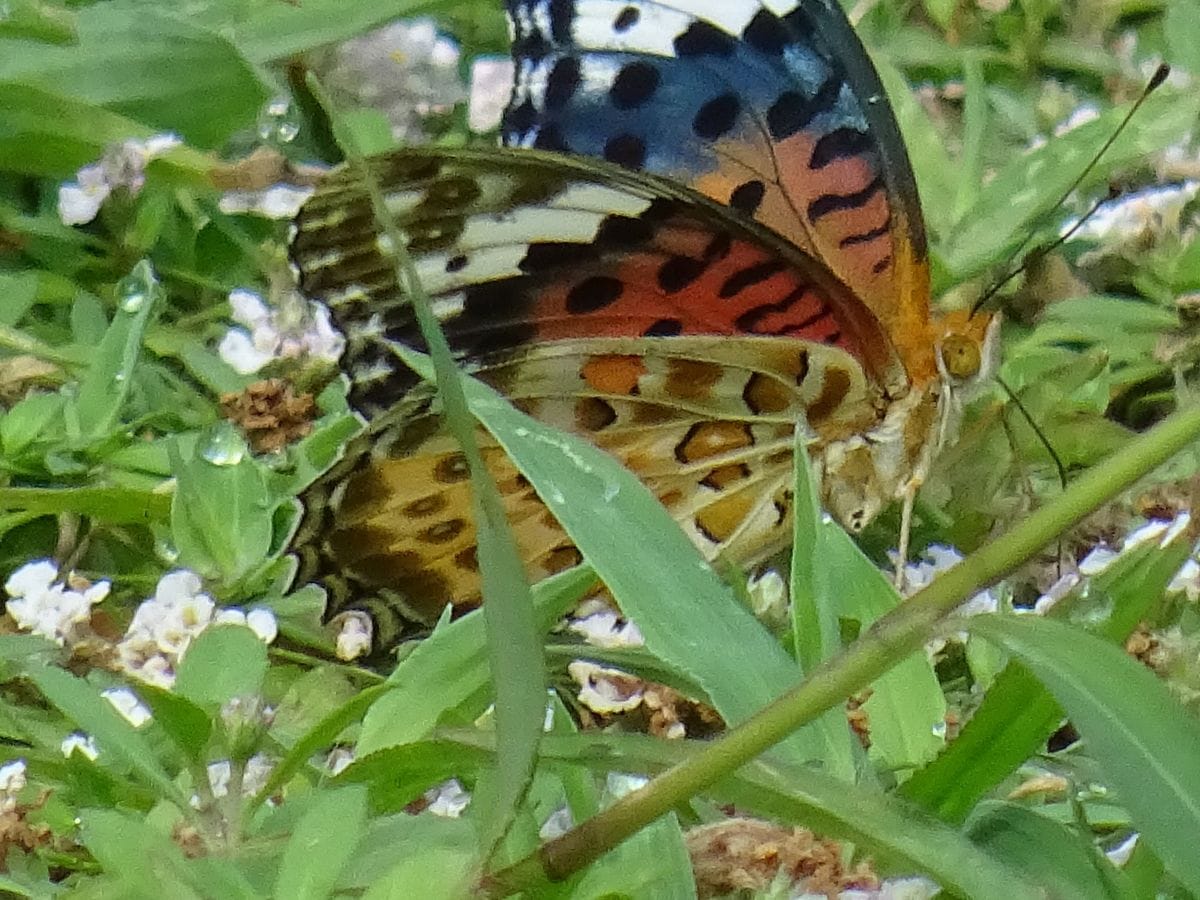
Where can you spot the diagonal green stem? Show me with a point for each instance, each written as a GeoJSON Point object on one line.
{"type": "Point", "coordinates": [888, 641]}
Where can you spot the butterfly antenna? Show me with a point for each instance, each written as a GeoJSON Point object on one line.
{"type": "Point", "coordinates": [1037, 430]}
{"type": "Point", "coordinates": [1156, 80]}
{"type": "Point", "coordinates": [1044, 440]}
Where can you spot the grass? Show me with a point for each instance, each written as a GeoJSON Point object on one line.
{"type": "Point", "coordinates": [115, 462]}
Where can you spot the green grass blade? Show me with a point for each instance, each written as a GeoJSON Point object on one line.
{"type": "Point", "coordinates": [514, 643]}
{"type": "Point", "coordinates": [1146, 743]}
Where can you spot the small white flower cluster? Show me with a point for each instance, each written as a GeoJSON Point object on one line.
{"type": "Point", "coordinates": [54, 611]}
{"type": "Point", "coordinates": [892, 889]}
{"type": "Point", "coordinates": [1138, 216]}
{"type": "Point", "coordinates": [12, 782]}
{"type": "Point", "coordinates": [296, 328]}
{"type": "Point", "coordinates": [935, 559]}
{"type": "Point", "coordinates": [606, 691]}
{"type": "Point", "coordinates": [1186, 580]}
{"type": "Point", "coordinates": [491, 85]}
{"type": "Point", "coordinates": [279, 201]}
{"type": "Point", "coordinates": [122, 166]}
{"type": "Point", "coordinates": [447, 799]}
{"type": "Point", "coordinates": [602, 626]}
{"type": "Point", "coordinates": [355, 632]}
{"type": "Point", "coordinates": [164, 626]}
{"type": "Point", "coordinates": [254, 778]}
{"type": "Point", "coordinates": [405, 69]}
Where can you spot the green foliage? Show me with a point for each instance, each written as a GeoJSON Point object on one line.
{"type": "Point", "coordinates": [116, 463]}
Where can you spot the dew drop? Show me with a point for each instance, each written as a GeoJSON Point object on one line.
{"type": "Point", "coordinates": [225, 447]}
{"type": "Point", "coordinates": [278, 123]}
{"type": "Point", "coordinates": [939, 729]}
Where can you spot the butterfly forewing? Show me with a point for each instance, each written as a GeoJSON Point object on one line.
{"type": "Point", "coordinates": [773, 109]}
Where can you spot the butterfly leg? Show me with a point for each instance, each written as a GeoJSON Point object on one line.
{"type": "Point", "coordinates": [906, 513]}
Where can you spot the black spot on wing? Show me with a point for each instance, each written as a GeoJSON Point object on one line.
{"type": "Point", "coordinates": [703, 39]}
{"type": "Point", "coordinates": [664, 328]}
{"type": "Point", "coordinates": [562, 82]}
{"type": "Point", "coordinates": [716, 118]}
{"type": "Point", "coordinates": [678, 272]}
{"type": "Point", "coordinates": [841, 143]}
{"type": "Point", "coordinates": [626, 19]}
{"type": "Point", "coordinates": [831, 203]}
{"type": "Point", "coordinates": [792, 112]}
{"type": "Point", "coordinates": [626, 150]}
{"type": "Point", "coordinates": [747, 196]}
{"type": "Point", "coordinates": [562, 14]}
{"type": "Point", "coordinates": [766, 33]}
{"type": "Point", "coordinates": [634, 85]}
{"type": "Point", "coordinates": [748, 277]}
{"type": "Point", "coordinates": [593, 294]}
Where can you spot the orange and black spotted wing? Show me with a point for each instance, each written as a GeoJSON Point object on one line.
{"type": "Point", "coordinates": [686, 342]}
{"type": "Point", "coordinates": [770, 107]}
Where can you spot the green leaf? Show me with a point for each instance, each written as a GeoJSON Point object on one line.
{"type": "Point", "coordinates": [31, 419]}
{"type": "Point", "coordinates": [652, 863]}
{"type": "Point", "coordinates": [906, 711]}
{"type": "Point", "coordinates": [149, 65]}
{"type": "Point", "coordinates": [405, 856]}
{"type": "Point", "coordinates": [324, 839]}
{"type": "Point", "coordinates": [815, 631]}
{"type": "Point", "coordinates": [1029, 186]}
{"type": "Point", "coordinates": [103, 390]}
{"type": "Point", "coordinates": [19, 290]}
{"type": "Point", "coordinates": [84, 705]}
{"type": "Point", "coordinates": [1181, 26]}
{"type": "Point", "coordinates": [1063, 863]}
{"type": "Point", "coordinates": [188, 726]}
{"type": "Point", "coordinates": [449, 669]}
{"type": "Point", "coordinates": [1143, 739]}
{"type": "Point", "coordinates": [221, 511]}
{"type": "Point", "coordinates": [1018, 714]}
{"type": "Point", "coordinates": [146, 862]}
{"type": "Point", "coordinates": [47, 133]}
{"type": "Point", "coordinates": [223, 662]}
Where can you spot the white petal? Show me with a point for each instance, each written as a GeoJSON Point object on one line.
{"type": "Point", "coordinates": [262, 622]}
{"type": "Point", "coordinates": [238, 350]}
{"type": "Point", "coordinates": [31, 578]}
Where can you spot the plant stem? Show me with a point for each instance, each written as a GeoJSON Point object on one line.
{"type": "Point", "coordinates": [889, 640]}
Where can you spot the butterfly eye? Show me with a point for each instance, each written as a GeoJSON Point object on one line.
{"type": "Point", "coordinates": [961, 356]}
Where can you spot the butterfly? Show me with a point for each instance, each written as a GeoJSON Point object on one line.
{"type": "Point", "coordinates": [705, 233]}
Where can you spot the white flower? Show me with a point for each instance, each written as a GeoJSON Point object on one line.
{"type": "Point", "coordinates": [1056, 592]}
{"type": "Point", "coordinates": [405, 69]}
{"type": "Point", "coordinates": [12, 782]}
{"type": "Point", "coordinates": [491, 84]}
{"type": "Point", "coordinates": [123, 165]}
{"type": "Point", "coordinates": [12, 776]}
{"type": "Point", "coordinates": [219, 774]}
{"type": "Point", "coordinates": [355, 634]}
{"type": "Point", "coordinates": [128, 705]}
{"type": "Point", "coordinates": [447, 799]}
{"type": "Point", "coordinates": [607, 629]}
{"type": "Point", "coordinates": [605, 690]}
{"type": "Point", "coordinates": [339, 759]}
{"type": "Point", "coordinates": [262, 622]}
{"type": "Point", "coordinates": [1097, 560]}
{"type": "Point", "coordinates": [254, 776]}
{"type": "Point", "coordinates": [279, 201]}
{"type": "Point", "coordinates": [296, 328]}
{"type": "Point", "coordinates": [84, 743]}
{"type": "Point", "coordinates": [54, 611]}
{"type": "Point", "coordinates": [258, 770]}
{"type": "Point", "coordinates": [1135, 216]}
{"type": "Point", "coordinates": [164, 626]}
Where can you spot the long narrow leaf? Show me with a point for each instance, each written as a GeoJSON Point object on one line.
{"type": "Point", "coordinates": [1147, 744]}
